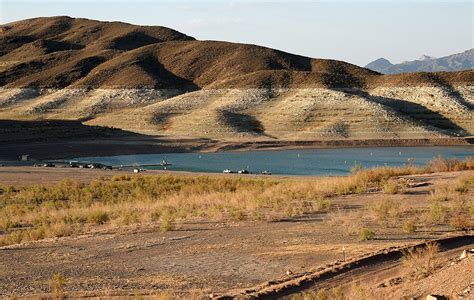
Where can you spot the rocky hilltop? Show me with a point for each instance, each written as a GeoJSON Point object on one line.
{"type": "Point", "coordinates": [155, 80]}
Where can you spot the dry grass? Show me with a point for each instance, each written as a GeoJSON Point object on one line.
{"type": "Point", "coordinates": [322, 294]}
{"type": "Point", "coordinates": [41, 211]}
{"type": "Point", "coordinates": [390, 187]}
{"type": "Point", "coordinates": [451, 204]}
{"type": "Point", "coordinates": [386, 212]}
{"type": "Point", "coordinates": [421, 262]}
{"type": "Point", "coordinates": [409, 226]}
{"type": "Point", "coordinates": [351, 222]}
{"type": "Point", "coordinates": [56, 284]}
{"type": "Point", "coordinates": [439, 164]}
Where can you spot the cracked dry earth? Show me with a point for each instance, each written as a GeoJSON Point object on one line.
{"type": "Point", "coordinates": [198, 258]}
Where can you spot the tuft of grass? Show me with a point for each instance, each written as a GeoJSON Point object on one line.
{"type": "Point", "coordinates": [409, 226]}
{"type": "Point", "coordinates": [437, 213]}
{"type": "Point", "coordinates": [122, 177]}
{"type": "Point", "coordinates": [322, 204]}
{"type": "Point", "coordinates": [461, 217]}
{"type": "Point", "coordinates": [366, 234]}
{"type": "Point", "coordinates": [167, 223]}
{"type": "Point", "coordinates": [387, 211]}
{"type": "Point", "coordinates": [56, 284]}
{"type": "Point", "coordinates": [98, 217]}
{"type": "Point", "coordinates": [390, 187]}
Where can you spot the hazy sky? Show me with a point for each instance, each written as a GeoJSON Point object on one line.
{"type": "Point", "coordinates": [354, 31]}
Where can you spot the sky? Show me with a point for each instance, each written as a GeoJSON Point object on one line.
{"type": "Point", "coordinates": [356, 31]}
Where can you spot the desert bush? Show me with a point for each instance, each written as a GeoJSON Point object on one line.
{"type": "Point", "coordinates": [122, 177]}
{"type": "Point", "coordinates": [322, 294]}
{"type": "Point", "coordinates": [167, 222]}
{"type": "Point", "coordinates": [460, 215]}
{"type": "Point", "coordinates": [386, 211]}
{"type": "Point", "coordinates": [37, 234]}
{"type": "Point", "coordinates": [437, 213]}
{"type": "Point", "coordinates": [389, 187]}
{"type": "Point", "coordinates": [98, 217]}
{"type": "Point", "coordinates": [15, 237]}
{"type": "Point", "coordinates": [351, 222]}
{"type": "Point", "coordinates": [56, 284]}
{"type": "Point", "coordinates": [322, 204]}
{"type": "Point", "coordinates": [60, 229]}
{"type": "Point", "coordinates": [464, 183]}
{"type": "Point", "coordinates": [422, 261]}
{"type": "Point", "coordinates": [439, 164]}
{"type": "Point", "coordinates": [366, 234]}
{"type": "Point", "coordinates": [409, 226]}
{"type": "Point", "coordinates": [443, 193]}
{"type": "Point", "coordinates": [357, 168]}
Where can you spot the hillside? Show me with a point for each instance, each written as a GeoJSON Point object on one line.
{"type": "Point", "coordinates": [456, 62]}
{"type": "Point", "coordinates": [154, 80]}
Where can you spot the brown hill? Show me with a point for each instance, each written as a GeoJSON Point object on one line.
{"type": "Point", "coordinates": [59, 52]}
{"type": "Point", "coordinates": [153, 79]}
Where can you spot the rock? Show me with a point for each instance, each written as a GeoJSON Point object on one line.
{"type": "Point", "coordinates": [435, 297]}
{"type": "Point", "coordinates": [463, 255]}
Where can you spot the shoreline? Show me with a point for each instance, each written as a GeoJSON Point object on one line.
{"type": "Point", "coordinates": [133, 145]}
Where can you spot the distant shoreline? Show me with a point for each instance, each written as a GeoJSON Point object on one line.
{"type": "Point", "coordinates": [130, 145]}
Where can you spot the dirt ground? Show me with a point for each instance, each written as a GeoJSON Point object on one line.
{"type": "Point", "coordinates": [26, 175]}
{"type": "Point", "coordinates": [198, 258]}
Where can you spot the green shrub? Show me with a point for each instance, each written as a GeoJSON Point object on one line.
{"type": "Point", "coordinates": [366, 234]}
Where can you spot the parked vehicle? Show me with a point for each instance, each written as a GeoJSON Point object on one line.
{"type": "Point", "coordinates": [243, 172]}
{"type": "Point", "coordinates": [266, 172]}
{"type": "Point", "coordinates": [228, 171]}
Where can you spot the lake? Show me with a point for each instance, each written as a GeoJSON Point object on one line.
{"type": "Point", "coordinates": [290, 162]}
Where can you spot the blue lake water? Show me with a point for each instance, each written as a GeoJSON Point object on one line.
{"type": "Point", "coordinates": [290, 162]}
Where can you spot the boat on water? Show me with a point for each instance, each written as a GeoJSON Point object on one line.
{"type": "Point", "coordinates": [165, 163]}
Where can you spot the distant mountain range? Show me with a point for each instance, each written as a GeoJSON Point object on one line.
{"type": "Point", "coordinates": [456, 62]}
